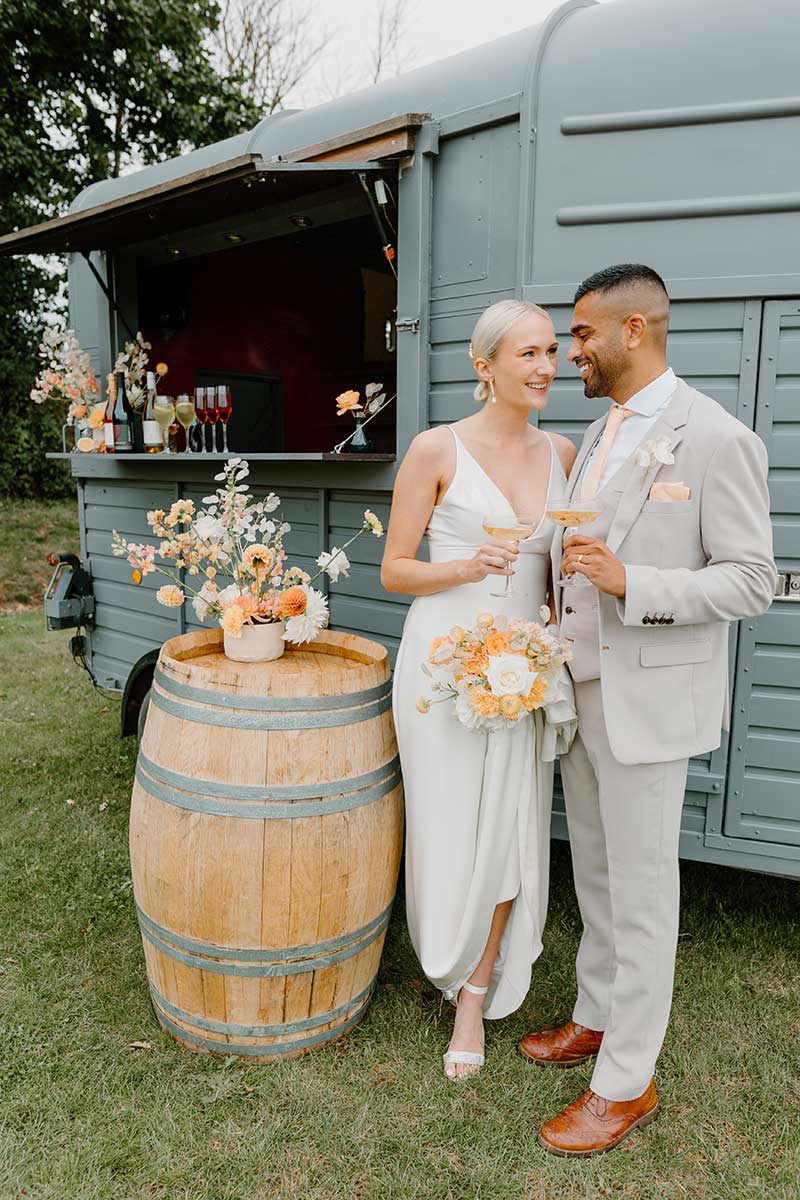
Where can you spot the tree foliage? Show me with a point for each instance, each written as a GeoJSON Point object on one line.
{"type": "Point", "coordinates": [87, 91]}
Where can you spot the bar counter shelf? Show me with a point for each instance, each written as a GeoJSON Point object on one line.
{"type": "Point", "coordinates": [279, 457]}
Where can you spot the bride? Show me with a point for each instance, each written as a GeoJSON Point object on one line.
{"type": "Point", "coordinates": [477, 805]}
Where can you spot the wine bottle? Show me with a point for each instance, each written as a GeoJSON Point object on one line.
{"type": "Point", "coordinates": [108, 416]}
{"type": "Point", "coordinates": [150, 426]}
{"type": "Point", "coordinates": [123, 418]}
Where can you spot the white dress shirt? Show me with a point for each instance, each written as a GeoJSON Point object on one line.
{"type": "Point", "coordinates": [647, 406]}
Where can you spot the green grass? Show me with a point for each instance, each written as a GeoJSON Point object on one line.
{"type": "Point", "coordinates": [29, 531]}
{"type": "Point", "coordinates": [84, 1117]}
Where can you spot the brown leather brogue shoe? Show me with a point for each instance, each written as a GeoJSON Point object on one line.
{"type": "Point", "coordinates": [592, 1125]}
{"type": "Point", "coordinates": [568, 1046]}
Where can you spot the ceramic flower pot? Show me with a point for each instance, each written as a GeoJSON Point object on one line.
{"type": "Point", "coordinates": [258, 643]}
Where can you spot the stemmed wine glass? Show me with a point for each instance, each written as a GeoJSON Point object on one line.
{"type": "Point", "coordinates": [184, 411]}
{"type": "Point", "coordinates": [164, 413]}
{"type": "Point", "coordinates": [200, 411]}
{"type": "Point", "coordinates": [212, 415]}
{"type": "Point", "coordinates": [224, 409]}
{"type": "Point", "coordinates": [508, 529]}
{"type": "Point", "coordinates": [573, 514]}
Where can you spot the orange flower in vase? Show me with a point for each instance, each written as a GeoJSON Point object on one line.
{"type": "Point", "coordinates": [348, 402]}
{"type": "Point", "coordinates": [293, 602]}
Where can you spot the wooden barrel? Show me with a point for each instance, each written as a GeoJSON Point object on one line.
{"type": "Point", "coordinates": [266, 830]}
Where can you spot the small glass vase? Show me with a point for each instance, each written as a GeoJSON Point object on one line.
{"type": "Point", "coordinates": [258, 643]}
{"type": "Point", "coordinates": [359, 442]}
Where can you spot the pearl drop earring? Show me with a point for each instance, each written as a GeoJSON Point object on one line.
{"type": "Point", "coordinates": [491, 389]}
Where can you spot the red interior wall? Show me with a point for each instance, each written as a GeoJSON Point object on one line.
{"type": "Point", "coordinates": [291, 308]}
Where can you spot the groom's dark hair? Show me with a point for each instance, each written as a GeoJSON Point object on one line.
{"type": "Point", "coordinates": [610, 279]}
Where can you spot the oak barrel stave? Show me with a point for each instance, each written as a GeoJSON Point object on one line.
{"type": "Point", "coordinates": [266, 828]}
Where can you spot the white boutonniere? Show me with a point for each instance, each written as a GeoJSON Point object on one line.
{"type": "Point", "coordinates": [655, 450]}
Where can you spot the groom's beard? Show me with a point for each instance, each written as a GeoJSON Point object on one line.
{"type": "Point", "coordinates": [604, 376]}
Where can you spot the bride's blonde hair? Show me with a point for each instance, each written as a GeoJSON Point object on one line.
{"type": "Point", "coordinates": [492, 326]}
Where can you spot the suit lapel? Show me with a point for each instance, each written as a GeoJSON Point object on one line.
{"type": "Point", "coordinates": [590, 439]}
{"type": "Point", "coordinates": [669, 427]}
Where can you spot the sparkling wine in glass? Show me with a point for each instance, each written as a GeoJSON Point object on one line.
{"type": "Point", "coordinates": [513, 528]}
{"type": "Point", "coordinates": [200, 413]}
{"type": "Point", "coordinates": [184, 411]}
{"type": "Point", "coordinates": [224, 410]}
{"type": "Point", "coordinates": [573, 514]}
{"type": "Point", "coordinates": [164, 413]}
{"type": "Point", "coordinates": [212, 415]}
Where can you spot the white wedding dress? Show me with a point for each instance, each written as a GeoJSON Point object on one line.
{"type": "Point", "coordinates": [477, 805]}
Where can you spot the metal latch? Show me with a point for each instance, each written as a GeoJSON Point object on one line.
{"type": "Point", "coordinates": [407, 324]}
{"type": "Point", "coordinates": [788, 587]}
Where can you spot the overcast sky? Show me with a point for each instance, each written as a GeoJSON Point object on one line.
{"type": "Point", "coordinates": [434, 29]}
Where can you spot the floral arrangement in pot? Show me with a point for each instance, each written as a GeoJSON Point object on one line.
{"type": "Point", "coordinates": [68, 381]}
{"type": "Point", "coordinates": [237, 541]}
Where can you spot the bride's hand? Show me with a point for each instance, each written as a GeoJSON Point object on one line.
{"type": "Point", "coordinates": [491, 559]}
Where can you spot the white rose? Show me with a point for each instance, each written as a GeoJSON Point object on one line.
{"type": "Point", "coordinates": [509, 675]}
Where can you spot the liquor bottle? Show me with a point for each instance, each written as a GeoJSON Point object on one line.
{"type": "Point", "coordinates": [108, 417]}
{"type": "Point", "coordinates": [150, 427]}
{"type": "Point", "coordinates": [123, 418]}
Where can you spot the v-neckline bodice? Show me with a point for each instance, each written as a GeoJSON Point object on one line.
{"type": "Point", "coordinates": [499, 490]}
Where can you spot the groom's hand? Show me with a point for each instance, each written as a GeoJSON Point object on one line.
{"type": "Point", "coordinates": [592, 558]}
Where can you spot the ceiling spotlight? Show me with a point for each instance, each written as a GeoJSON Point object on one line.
{"type": "Point", "coordinates": [174, 252]}
{"type": "Point", "coordinates": [300, 221]}
{"type": "Point", "coordinates": [235, 238]}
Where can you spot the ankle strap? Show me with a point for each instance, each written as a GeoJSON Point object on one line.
{"type": "Point", "coordinates": [476, 991]}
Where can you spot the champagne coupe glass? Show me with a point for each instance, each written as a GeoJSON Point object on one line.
{"type": "Point", "coordinates": [573, 514]}
{"type": "Point", "coordinates": [508, 528]}
{"type": "Point", "coordinates": [200, 412]}
{"type": "Point", "coordinates": [224, 410]}
{"type": "Point", "coordinates": [184, 411]}
{"type": "Point", "coordinates": [212, 415]}
{"type": "Point", "coordinates": [164, 413]}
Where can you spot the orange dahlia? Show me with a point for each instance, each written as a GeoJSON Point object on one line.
{"type": "Point", "coordinates": [293, 602]}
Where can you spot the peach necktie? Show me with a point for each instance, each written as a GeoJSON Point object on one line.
{"type": "Point", "coordinates": [591, 479]}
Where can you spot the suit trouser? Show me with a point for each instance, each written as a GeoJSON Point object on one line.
{"type": "Point", "coordinates": [624, 824]}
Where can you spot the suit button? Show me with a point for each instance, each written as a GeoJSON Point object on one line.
{"type": "Point", "coordinates": [645, 620]}
{"type": "Point", "coordinates": [569, 610]}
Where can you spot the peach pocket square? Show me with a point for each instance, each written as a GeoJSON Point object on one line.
{"type": "Point", "coordinates": [670, 491]}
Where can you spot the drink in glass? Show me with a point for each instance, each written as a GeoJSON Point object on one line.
{"type": "Point", "coordinates": [573, 514]}
{"type": "Point", "coordinates": [184, 411]}
{"type": "Point", "coordinates": [212, 413]}
{"type": "Point", "coordinates": [164, 413]}
{"type": "Point", "coordinates": [505, 528]}
{"type": "Point", "coordinates": [224, 408]}
{"type": "Point", "coordinates": [200, 411]}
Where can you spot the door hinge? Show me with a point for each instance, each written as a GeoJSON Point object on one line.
{"type": "Point", "coordinates": [788, 587]}
{"type": "Point", "coordinates": [407, 324]}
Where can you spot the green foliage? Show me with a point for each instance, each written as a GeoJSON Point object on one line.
{"type": "Point", "coordinates": [87, 89]}
{"type": "Point", "coordinates": [29, 530]}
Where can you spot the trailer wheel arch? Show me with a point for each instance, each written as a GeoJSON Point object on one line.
{"type": "Point", "coordinates": [136, 696]}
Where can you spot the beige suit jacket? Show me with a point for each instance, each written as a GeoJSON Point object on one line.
{"type": "Point", "coordinates": [691, 568]}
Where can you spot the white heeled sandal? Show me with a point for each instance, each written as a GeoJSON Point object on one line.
{"type": "Point", "coordinates": [466, 1058]}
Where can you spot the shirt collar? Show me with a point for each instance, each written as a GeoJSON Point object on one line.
{"type": "Point", "coordinates": [654, 397]}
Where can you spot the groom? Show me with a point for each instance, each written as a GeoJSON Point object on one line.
{"type": "Point", "coordinates": [682, 547]}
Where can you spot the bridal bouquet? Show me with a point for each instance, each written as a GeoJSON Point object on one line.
{"type": "Point", "coordinates": [497, 672]}
{"type": "Point", "coordinates": [237, 541]}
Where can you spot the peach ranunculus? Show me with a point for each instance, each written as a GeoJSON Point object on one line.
{"type": "Point", "coordinates": [170, 595]}
{"type": "Point", "coordinates": [348, 402]}
{"type": "Point", "coordinates": [441, 651]}
{"type": "Point", "coordinates": [77, 411]}
{"type": "Point", "coordinates": [485, 620]}
{"type": "Point", "coordinates": [248, 603]}
{"type": "Point", "coordinates": [477, 664]}
{"type": "Point", "coordinates": [161, 369]}
{"type": "Point", "coordinates": [259, 558]}
{"type": "Point", "coordinates": [232, 620]}
{"type": "Point", "coordinates": [511, 707]}
{"type": "Point", "coordinates": [97, 416]}
{"type": "Point", "coordinates": [293, 602]}
{"type": "Point", "coordinates": [535, 696]}
{"type": "Point", "coordinates": [496, 643]}
{"type": "Point", "coordinates": [484, 702]}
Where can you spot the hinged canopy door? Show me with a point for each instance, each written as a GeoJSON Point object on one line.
{"type": "Point", "coordinates": [217, 193]}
